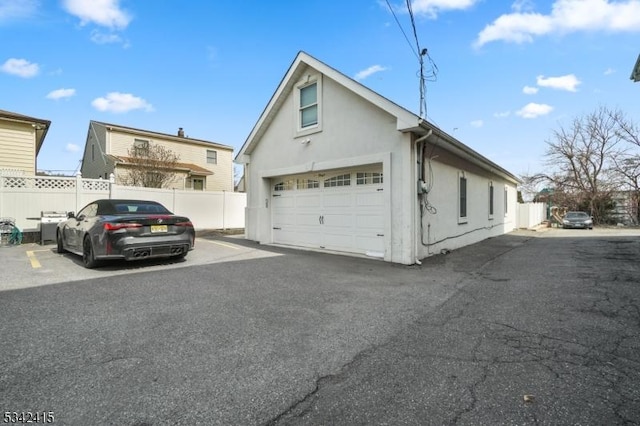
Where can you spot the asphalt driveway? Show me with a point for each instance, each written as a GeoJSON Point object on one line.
{"type": "Point", "coordinates": [522, 329]}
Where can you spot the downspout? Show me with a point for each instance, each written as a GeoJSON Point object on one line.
{"type": "Point", "coordinates": [420, 162]}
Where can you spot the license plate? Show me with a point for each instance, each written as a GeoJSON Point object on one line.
{"type": "Point", "coordinates": [158, 228]}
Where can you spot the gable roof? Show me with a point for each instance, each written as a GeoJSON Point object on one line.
{"type": "Point", "coordinates": [406, 121]}
{"type": "Point", "coordinates": [150, 133]}
{"type": "Point", "coordinates": [41, 126]}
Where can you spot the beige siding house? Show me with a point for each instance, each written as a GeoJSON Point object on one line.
{"type": "Point", "coordinates": [21, 138]}
{"type": "Point", "coordinates": [202, 165]}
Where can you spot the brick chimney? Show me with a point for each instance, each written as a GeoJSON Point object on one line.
{"type": "Point", "coordinates": [180, 132]}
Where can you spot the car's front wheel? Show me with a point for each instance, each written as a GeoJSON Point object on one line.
{"type": "Point", "coordinates": [88, 257]}
{"type": "Point", "coordinates": [59, 242]}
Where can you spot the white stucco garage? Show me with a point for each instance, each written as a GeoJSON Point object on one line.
{"type": "Point", "coordinates": [331, 165]}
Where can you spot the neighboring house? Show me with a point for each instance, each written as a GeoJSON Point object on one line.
{"type": "Point", "coordinates": [202, 165]}
{"type": "Point", "coordinates": [332, 165]}
{"type": "Point", "coordinates": [625, 207]}
{"type": "Point", "coordinates": [21, 138]}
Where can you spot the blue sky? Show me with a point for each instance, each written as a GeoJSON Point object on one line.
{"type": "Point", "coordinates": [508, 73]}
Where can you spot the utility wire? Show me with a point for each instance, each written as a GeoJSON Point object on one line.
{"type": "Point", "coordinates": [402, 29]}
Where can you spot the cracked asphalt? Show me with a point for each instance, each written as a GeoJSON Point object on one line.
{"type": "Point", "coordinates": [545, 333]}
{"type": "Point", "coordinates": [526, 328]}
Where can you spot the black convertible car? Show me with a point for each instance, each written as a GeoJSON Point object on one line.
{"type": "Point", "coordinates": [124, 229]}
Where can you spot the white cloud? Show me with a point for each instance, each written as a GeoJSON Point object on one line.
{"type": "Point", "coordinates": [477, 123]}
{"type": "Point", "coordinates": [20, 67]}
{"type": "Point", "coordinates": [61, 93]}
{"type": "Point", "coordinates": [105, 13]}
{"type": "Point", "coordinates": [528, 90]}
{"type": "Point", "coordinates": [71, 147]}
{"type": "Point", "coordinates": [566, 16]}
{"type": "Point", "coordinates": [120, 102]}
{"type": "Point", "coordinates": [431, 8]}
{"type": "Point", "coordinates": [502, 114]}
{"type": "Point", "coordinates": [533, 110]}
{"type": "Point", "coordinates": [102, 38]}
{"type": "Point", "coordinates": [609, 71]}
{"type": "Point", "coordinates": [369, 71]}
{"type": "Point", "coordinates": [567, 82]}
{"type": "Point", "coordinates": [12, 9]}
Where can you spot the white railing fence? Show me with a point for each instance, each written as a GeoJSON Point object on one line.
{"type": "Point", "coordinates": [24, 198]}
{"type": "Point", "coordinates": [530, 214]}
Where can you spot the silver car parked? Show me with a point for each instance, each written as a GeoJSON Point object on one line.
{"type": "Point", "coordinates": [579, 220]}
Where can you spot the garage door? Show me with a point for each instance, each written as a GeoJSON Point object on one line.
{"type": "Point", "coordinates": [341, 211]}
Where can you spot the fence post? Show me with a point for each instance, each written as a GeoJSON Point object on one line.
{"type": "Point", "coordinates": [2, 178]}
{"type": "Point", "coordinates": [78, 190]}
{"type": "Point", "coordinates": [224, 202]}
{"type": "Point", "coordinates": [112, 182]}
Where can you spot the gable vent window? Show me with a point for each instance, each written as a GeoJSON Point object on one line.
{"type": "Point", "coordinates": [342, 180]}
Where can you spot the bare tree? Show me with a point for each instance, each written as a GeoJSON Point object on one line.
{"type": "Point", "coordinates": [582, 162]}
{"type": "Point", "coordinates": [150, 165]}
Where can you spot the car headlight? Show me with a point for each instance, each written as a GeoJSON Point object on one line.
{"type": "Point", "coordinates": [565, 221]}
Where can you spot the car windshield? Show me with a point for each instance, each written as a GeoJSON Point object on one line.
{"type": "Point", "coordinates": [577, 215]}
{"type": "Point", "coordinates": [139, 207]}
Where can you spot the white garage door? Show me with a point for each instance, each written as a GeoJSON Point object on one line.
{"type": "Point", "coordinates": [341, 211]}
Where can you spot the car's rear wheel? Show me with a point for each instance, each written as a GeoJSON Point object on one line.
{"type": "Point", "coordinates": [88, 257]}
{"type": "Point", "coordinates": [59, 243]}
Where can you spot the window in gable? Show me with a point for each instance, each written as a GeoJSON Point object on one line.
{"type": "Point", "coordinates": [309, 105]}
{"type": "Point", "coordinates": [212, 156]}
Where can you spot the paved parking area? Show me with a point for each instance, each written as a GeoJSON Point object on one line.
{"type": "Point", "coordinates": [32, 264]}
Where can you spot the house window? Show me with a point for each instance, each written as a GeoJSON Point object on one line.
{"type": "Point", "coordinates": [462, 193]}
{"type": "Point", "coordinates": [368, 178]}
{"type": "Point", "coordinates": [197, 184]}
{"type": "Point", "coordinates": [490, 200]}
{"type": "Point", "coordinates": [140, 147]}
{"type": "Point", "coordinates": [212, 156]}
{"type": "Point", "coordinates": [309, 105]}
{"type": "Point", "coordinates": [341, 180]}
{"type": "Point", "coordinates": [506, 201]}
{"type": "Point", "coordinates": [308, 184]}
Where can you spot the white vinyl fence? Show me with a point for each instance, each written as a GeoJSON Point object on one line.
{"type": "Point", "coordinates": [24, 198]}
{"type": "Point", "coordinates": [530, 214]}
